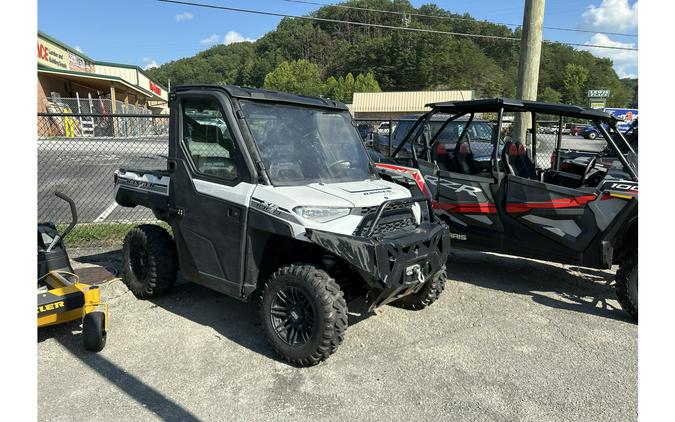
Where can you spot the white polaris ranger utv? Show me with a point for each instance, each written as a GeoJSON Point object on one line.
{"type": "Point", "coordinates": [274, 196]}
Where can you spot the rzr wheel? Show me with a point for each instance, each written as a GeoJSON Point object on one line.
{"type": "Point", "coordinates": [627, 285]}
{"type": "Point", "coordinates": [303, 314]}
{"type": "Point", "coordinates": [429, 293]}
{"type": "Point", "coordinates": [150, 261]}
{"type": "Point", "coordinates": [93, 331]}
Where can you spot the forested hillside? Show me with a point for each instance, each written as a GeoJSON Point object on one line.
{"type": "Point", "coordinates": [323, 57]}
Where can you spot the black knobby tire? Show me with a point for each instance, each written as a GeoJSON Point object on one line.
{"type": "Point", "coordinates": [317, 328]}
{"type": "Point", "coordinates": [627, 285]}
{"type": "Point", "coordinates": [150, 261]}
{"type": "Point", "coordinates": [93, 331]}
{"type": "Point", "coordinates": [429, 293]}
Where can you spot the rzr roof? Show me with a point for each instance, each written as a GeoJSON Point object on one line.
{"type": "Point", "coordinates": [514, 105]}
{"type": "Point", "coordinates": [246, 93]}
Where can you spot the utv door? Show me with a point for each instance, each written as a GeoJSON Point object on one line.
{"type": "Point", "coordinates": [547, 221]}
{"type": "Point", "coordinates": [467, 203]}
{"type": "Point", "coordinates": [211, 191]}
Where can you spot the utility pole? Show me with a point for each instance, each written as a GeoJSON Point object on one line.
{"type": "Point", "coordinates": [528, 69]}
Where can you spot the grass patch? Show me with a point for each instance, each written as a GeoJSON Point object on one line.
{"type": "Point", "coordinates": [102, 234]}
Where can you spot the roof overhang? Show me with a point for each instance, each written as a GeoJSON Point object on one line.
{"type": "Point", "coordinates": [100, 82]}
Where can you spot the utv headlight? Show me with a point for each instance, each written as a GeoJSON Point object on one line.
{"type": "Point", "coordinates": [321, 214]}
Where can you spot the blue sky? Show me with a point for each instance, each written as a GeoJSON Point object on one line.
{"type": "Point", "coordinates": [147, 32]}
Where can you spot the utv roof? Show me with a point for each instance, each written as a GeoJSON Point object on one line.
{"type": "Point", "coordinates": [436, 117]}
{"type": "Point", "coordinates": [247, 93]}
{"type": "Point", "coordinates": [514, 105]}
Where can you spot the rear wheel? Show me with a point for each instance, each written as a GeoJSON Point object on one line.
{"type": "Point", "coordinates": [150, 261]}
{"type": "Point", "coordinates": [303, 313]}
{"type": "Point", "coordinates": [627, 285]}
{"type": "Point", "coordinates": [93, 331]}
{"type": "Point", "coordinates": [592, 135]}
{"type": "Point", "coordinates": [429, 293]}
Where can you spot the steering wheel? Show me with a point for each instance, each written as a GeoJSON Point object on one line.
{"type": "Point", "coordinates": [330, 167]}
{"type": "Point", "coordinates": [587, 171]}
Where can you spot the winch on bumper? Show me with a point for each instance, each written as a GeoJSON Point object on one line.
{"type": "Point", "coordinates": [395, 264]}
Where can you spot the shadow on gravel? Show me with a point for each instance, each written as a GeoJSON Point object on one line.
{"type": "Point", "coordinates": [582, 290]}
{"type": "Point", "coordinates": [232, 319]}
{"type": "Point", "coordinates": [144, 394]}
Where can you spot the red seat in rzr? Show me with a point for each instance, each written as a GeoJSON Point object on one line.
{"type": "Point", "coordinates": [462, 159]}
{"type": "Point", "coordinates": [524, 166]}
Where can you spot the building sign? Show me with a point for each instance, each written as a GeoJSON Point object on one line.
{"type": "Point", "coordinates": [598, 93]}
{"type": "Point", "coordinates": [155, 88]}
{"type": "Point", "coordinates": [597, 104]}
{"type": "Point", "coordinates": [76, 62]}
{"type": "Point", "coordinates": [51, 55]}
{"type": "Point", "coordinates": [627, 115]}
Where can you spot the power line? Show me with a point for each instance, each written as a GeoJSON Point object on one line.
{"type": "Point", "coordinates": [375, 25]}
{"type": "Point", "coordinates": [421, 15]}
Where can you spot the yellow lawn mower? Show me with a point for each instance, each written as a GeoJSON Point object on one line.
{"type": "Point", "coordinates": [61, 297]}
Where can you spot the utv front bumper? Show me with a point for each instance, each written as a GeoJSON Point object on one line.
{"type": "Point", "coordinates": [394, 265]}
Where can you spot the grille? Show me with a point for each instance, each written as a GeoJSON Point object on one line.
{"type": "Point", "coordinates": [395, 218]}
{"type": "Point", "coordinates": [365, 211]}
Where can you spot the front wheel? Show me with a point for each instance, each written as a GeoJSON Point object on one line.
{"type": "Point", "coordinates": [427, 295]}
{"type": "Point", "coordinates": [627, 285]}
{"type": "Point", "coordinates": [93, 331]}
{"type": "Point", "coordinates": [592, 135]}
{"type": "Point", "coordinates": [303, 314]}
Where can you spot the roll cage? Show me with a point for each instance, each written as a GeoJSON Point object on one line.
{"type": "Point", "coordinates": [459, 109]}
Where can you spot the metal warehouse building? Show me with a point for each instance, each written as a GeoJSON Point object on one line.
{"type": "Point", "coordinates": [393, 105]}
{"type": "Point", "coordinates": [69, 81]}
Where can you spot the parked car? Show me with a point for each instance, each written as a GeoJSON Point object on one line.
{"type": "Point", "coordinates": [590, 132]}
{"type": "Point", "coordinates": [576, 128]}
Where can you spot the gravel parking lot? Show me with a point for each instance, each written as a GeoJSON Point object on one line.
{"type": "Point", "coordinates": [510, 339]}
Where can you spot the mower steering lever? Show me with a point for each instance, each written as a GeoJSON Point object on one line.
{"type": "Point", "coordinates": [73, 222]}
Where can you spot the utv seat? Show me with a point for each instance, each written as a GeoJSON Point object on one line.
{"type": "Point", "coordinates": [462, 159]}
{"type": "Point", "coordinates": [508, 156]}
{"type": "Point", "coordinates": [524, 166]}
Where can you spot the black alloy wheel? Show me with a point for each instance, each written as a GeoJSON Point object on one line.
{"type": "Point", "coordinates": [292, 316]}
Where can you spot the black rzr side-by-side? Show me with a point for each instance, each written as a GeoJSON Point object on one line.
{"type": "Point", "coordinates": [490, 191]}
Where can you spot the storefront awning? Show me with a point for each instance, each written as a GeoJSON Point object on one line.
{"type": "Point", "coordinates": [96, 81]}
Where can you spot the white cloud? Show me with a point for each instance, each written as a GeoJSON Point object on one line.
{"type": "Point", "coordinates": [210, 40]}
{"type": "Point", "coordinates": [78, 48]}
{"type": "Point", "coordinates": [611, 15]}
{"type": "Point", "coordinates": [149, 63]}
{"type": "Point", "coordinates": [184, 16]}
{"type": "Point", "coordinates": [625, 61]}
{"type": "Point", "coordinates": [234, 37]}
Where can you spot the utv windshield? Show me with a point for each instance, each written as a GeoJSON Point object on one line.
{"type": "Point", "coordinates": [301, 145]}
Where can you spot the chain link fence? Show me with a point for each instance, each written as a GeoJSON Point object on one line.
{"type": "Point", "coordinates": [81, 165]}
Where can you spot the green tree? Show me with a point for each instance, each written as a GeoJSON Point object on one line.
{"type": "Point", "coordinates": [366, 83]}
{"type": "Point", "coordinates": [574, 80]}
{"type": "Point", "coordinates": [296, 77]}
{"type": "Point", "coordinates": [550, 95]}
